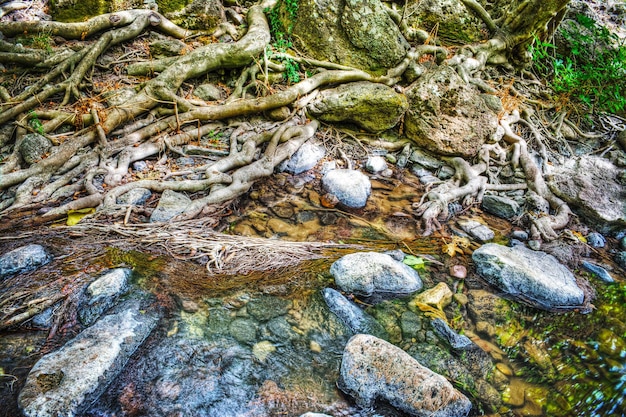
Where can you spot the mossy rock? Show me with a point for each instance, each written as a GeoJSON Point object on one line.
{"type": "Point", "coordinates": [193, 14]}
{"type": "Point", "coordinates": [77, 11]}
{"type": "Point", "coordinates": [373, 107]}
{"type": "Point", "coordinates": [168, 6]}
{"type": "Point", "coordinates": [355, 33]}
{"type": "Point", "coordinates": [449, 20]}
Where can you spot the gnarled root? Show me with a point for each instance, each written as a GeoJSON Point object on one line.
{"type": "Point", "coordinates": [467, 184]}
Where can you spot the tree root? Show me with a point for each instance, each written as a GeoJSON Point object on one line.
{"type": "Point", "coordinates": [468, 185]}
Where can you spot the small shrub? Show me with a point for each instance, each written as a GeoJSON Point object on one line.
{"type": "Point", "coordinates": [592, 70]}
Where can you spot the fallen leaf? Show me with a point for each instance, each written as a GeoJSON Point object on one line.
{"type": "Point", "coordinates": [75, 216]}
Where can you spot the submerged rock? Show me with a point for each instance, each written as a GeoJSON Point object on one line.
{"type": "Point", "coordinates": [23, 259]}
{"type": "Point", "coordinates": [531, 276]}
{"type": "Point", "coordinates": [102, 293]}
{"type": "Point", "coordinates": [189, 377]}
{"type": "Point", "coordinates": [600, 272]}
{"type": "Point", "coordinates": [455, 340]}
{"type": "Point", "coordinates": [357, 320]}
{"type": "Point", "coordinates": [66, 381]}
{"type": "Point", "coordinates": [373, 369]}
{"type": "Point", "coordinates": [371, 273]}
{"type": "Point", "coordinates": [266, 307]}
{"type": "Point", "coordinates": [352, 188]}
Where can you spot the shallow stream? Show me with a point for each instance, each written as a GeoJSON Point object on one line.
{"type": "Point", "coordinates": [267, 344]}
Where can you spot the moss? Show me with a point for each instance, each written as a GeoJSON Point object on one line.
{"type": "Point", "coordinates": [77, 11]}
{"type": "Point", "coordinates": [168, 6]}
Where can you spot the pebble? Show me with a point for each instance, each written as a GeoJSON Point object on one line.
{"type": "Point", "coordinates": [439, 296]}
{"type": "Point", "coordinates": [596, 240]}
{"type": "Point", "coordinates": [315, 347]}
{"type": "Point", "coordinates": [476, 230]}
{"type": "Point", "coordinates": [458, 271]}
{"type": "Point", "coordinates": [375, 164]}
{"type": "Point", "coordinates": [504, 368]}
{"type": "Point", "coordinates": [429, 179]}
{"type": "Point", "coordinates": [598, 271]}
{"type": "Point", "coordinates": [329, 200]}
{"type": "Point", "coordinates": [534, 244]}
{"type": "Point", "coordinates": [519, 235]}
{"type": "Point", "coordinates": [515, 242]}
{"type": "Point", "coordinates": [460, 298]}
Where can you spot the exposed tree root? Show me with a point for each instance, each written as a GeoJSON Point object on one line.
{"type": "Point", "coordinates": [468, 186]}
{"type": "Point", "coordinates": [91, 167]}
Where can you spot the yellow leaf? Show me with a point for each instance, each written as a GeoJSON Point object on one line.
{"type": "Point", "coordinates": [75, 216]}
{"type": "Point", "coordinates": [456, 246]}
{"type": "Point", "coordinates": [431, 312]}
{"type": "Point", "coordinates": [579, 236]}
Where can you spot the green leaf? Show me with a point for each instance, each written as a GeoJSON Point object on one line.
{"type": "Point", "coordinates": [414, 262]}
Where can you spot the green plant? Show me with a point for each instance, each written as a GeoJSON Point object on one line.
{"type": "Point", "coordinates": [41, 40]}
{"type": "Point", "coordinates": [592, 70]}
{"type": "Point", "coordinates": [35, 123]}
{"type": "Point", "coordinates": [277, 29]}
{"type": "Point", "coordinates": [292, 71]}
{"type": "Point", "coordinates": [282, 35]}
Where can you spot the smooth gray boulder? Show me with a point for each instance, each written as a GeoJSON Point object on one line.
{"type": "Point", "coordinates": [372, 273]}
{"type": "Point", "coordinates": [352, 188]}
{"type": "Point", "coordinates": [170, 205]}
{"type": "Point", "coordinates": [374, 369]}
{"type": "Point", "coordinates": [357, 320]}
{"type": "Point", "coordinates": [531, 276]}
{"type": "Point", "coordinates": [23, 259]}
{"type": "Point", "coordinates": [371, 106]}
{"type": "Point", "coordinates": [591, 186]}
{"type": "Point", "coordinates": [65, 382]}
{"type": "Point", "coordinates": [305, 158]}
